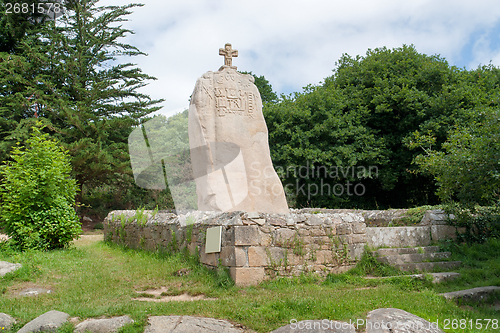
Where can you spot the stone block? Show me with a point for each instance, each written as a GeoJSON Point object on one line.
{"type": "Point", "coordinates": [266, 229]}
{"type": "Point", "coordinates": [294, 259]}
{"type": "Point", "coordinates": [345, 239]}
{"type": "Point", "coordinates": [246, 235]}
{"type": "Point", "coordinates": [208, 258]}
{"type": "Point", "coordinates": [303, 232]}
{"type": "Point", "coordinates": [257, 256]}
{"type": "Point", "coordinates": [358, 238]}
{"type": "Point", "coordinates": [344, 229]}
{"type": "Point", "coordinates": [275, 255]}
{"type": "Point", "coordinates": [299, 218]}
{"type": "Point", "coordinates": [439, 232]}
{"type": "Point", "coordinates": [228, 236]}
{"type": "Point", "coordinates": [435, 217]}
{"type": "Point", "coordinates": [247, 276]}
{"type": "Point", "coordinates": [227, 256]}
{"type": "Point", "coordinates": [314, 220]}
{"type": "Point", "coordinates": [341, 269]}
{"type": "Point", "coordinates": [318, 232]}
{"type": "Point", "coordinates": [324, 257]}
{"type": "Point", "coordinates": [259, 221]}
{"type": "Point", "coordinates": [347, 218]}
{"type": "Point", "coordinates": [266, 239]}
{"type": "Point", "coordinates": [284, 235]}
{"type": "Point", "coordinates": [253, 215]}
{"type": "Point", "coordinates": [331, 231]}
{"type": "Point", "coordinates": [276, 221]}
{"type": "Point", "coordinates": [356, 250]}
{"type": "Point", "coordinates": [359, 228]}
{"type": "Point", "coordinates": [398, 236]}
{"type": "Point", "coordinates": [307, 240]}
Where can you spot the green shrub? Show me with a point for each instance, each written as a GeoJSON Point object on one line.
{"type": "Point", "coordinates": [38, 195]}
{"type": "Point", "coordinates": [479, 223]}
{"type": "Point", "coordinates": [99, 226]}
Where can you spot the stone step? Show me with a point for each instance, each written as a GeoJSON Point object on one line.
{"type": "Point", "coordinates": [436, 277]}
{"type": "Point", "coordinates": [474, 294]}
{"type": "Point", "coordinates": [428, 266]}
{"type": "Point", "coordinates": [405, 250]}
{"type": "Point", "coordinates": [414, 257]}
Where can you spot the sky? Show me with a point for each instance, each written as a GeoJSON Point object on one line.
{"type": "Point", "coordinates": [297, 43]}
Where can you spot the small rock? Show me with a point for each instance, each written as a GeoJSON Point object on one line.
{"type": "Point", "coordinates": [103, 325]}
{"type": "Point", "coordinates": [317, 326]}
{"type": "Point", "coordinates": [49, 321]}
{"type": "Point", "coordinates": [314, 220]}
{"type": "Point", "coordinates": [275, 221]}
{"type": "Point", "coordinates": [7, 267]}
{"type": "Point", "coordinates": [259, 221]}
{"type": "Point", "coordinates": [395, 320]}
{"type": "Point", "coordinates": [188, 324]}
{"type": "Point", "coordinates": [182, 272]}
{"type": "Point", "coordinates": [87, 219]}
{"type": "Point", "coordinates": [253, 215]}
{"type": "Point", "coordinates": [6, 321]}
{"type": "Point", "coordinates": [34, 291]}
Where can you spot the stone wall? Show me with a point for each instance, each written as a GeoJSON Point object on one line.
{"type": "Point", "coordinates": [254, 246]}
{"type": "Point", "coordinates": [408, 236]}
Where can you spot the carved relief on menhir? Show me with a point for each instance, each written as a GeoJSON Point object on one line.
{"type": "Point", "coordinates": [231, 96]}
{"type": "Point", "coordinates": [229, 91]}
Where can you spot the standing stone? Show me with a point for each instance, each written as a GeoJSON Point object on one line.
{"type": "Point", "coordinates": [229, 144]}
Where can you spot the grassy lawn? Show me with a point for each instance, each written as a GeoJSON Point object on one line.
{"type": "Point", "coordinates": [95, 279]}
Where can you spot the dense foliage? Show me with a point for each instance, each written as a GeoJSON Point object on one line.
{"type": "Point", "coordinates": [38, 195]}
{"type": "Point", "coordinates": [67, 76]}
{"type": "Point", "coordinates": [394, 128]}
{"type": "Point", "coordinates": [369, 114]}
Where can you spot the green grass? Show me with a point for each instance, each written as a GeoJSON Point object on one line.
{"type": "Point", "coordinates": [480, 265]}
{"type": "Point", "coordinates": [95, 279]}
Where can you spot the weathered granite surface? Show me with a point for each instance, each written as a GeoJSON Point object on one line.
{"type": "Point", "coordinates": [49, 321]}
{"type": "Point", "coordinates": [391, 320]}
{"type": "Point", "coordinates": [6, 321]}
{"type": "Point", "coordinates": [7, 267]}
{"type": "Point", "coordinates": [188, 324]}
{"type": "Point", "coordinates": [472, 295]}
{"type": "Point", "coordinates": [228, 138]}
{"type": "Point", "coordinates": [103, 325]}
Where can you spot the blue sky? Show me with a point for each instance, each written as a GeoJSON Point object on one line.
{"type": "Point", "coordinates": [296, 43]}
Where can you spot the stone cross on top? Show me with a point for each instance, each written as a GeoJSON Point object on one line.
{"type": "Point", "coordinates": [228, 54]}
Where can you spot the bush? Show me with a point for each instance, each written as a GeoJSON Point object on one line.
{"type": "Point", "coordinates": [479, 223]}
{"type": "Point", "coordinates": [38, 195]}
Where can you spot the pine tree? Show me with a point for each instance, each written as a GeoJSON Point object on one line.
{"type": "Point", "coordinates": [66, 76]}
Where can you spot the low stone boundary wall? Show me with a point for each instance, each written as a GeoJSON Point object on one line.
{"type": "Point", "coordinates": [254, 246]}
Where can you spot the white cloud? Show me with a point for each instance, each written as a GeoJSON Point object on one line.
{"type": "Point", "coordinates": [295, 43]}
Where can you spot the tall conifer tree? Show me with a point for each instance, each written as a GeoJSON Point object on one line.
{"type": "Point", "coordinates": [67, 76]}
